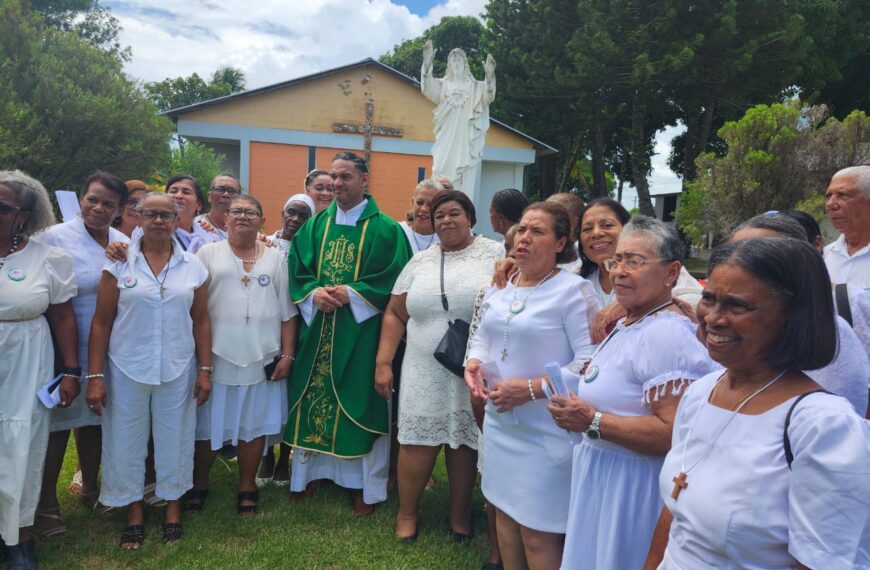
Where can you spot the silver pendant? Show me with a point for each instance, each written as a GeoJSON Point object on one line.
{"type": "Point", "coordinates": [517, 306]}
{"type": "Point", "coordinates": [590, 374]}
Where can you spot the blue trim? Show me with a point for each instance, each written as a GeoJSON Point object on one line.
{"type": "Point", "coordinates": [312, 158]}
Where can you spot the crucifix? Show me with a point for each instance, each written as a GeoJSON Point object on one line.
{"type": "Point", "coordinates": [368, 130]}
{"type": "Point", "coordinates": [246, 280]}
{"type": "Point", "coordinates": [679, 485]}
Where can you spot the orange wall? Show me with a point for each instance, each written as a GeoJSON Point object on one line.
{"type": "Point", "coordinates": [277, 172]}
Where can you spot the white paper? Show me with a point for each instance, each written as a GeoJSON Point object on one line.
{"type": "Point", "coordinates": [49, 394]}
{"type": "Point", "coordinates": [492, 376]}
{"type": "Point", "coordinates": [68, 203]}
{"type": "Point", "coordinates": [554, 372]}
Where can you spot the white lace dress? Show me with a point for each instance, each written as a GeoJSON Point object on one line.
{"type": "Point", "coordinates": [434, 405]}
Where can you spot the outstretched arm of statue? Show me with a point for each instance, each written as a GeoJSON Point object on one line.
{"type": "Point", "coordinates": [428, 58]}
{"type": "Point", "coordinates": [489, 77]}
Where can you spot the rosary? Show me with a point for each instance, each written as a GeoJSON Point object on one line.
{"type": "Point", "coordinates": [246, 278]}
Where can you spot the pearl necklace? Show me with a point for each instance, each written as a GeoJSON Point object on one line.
{"type": "Point", "coordinates": [517, 307]}
{"type": "Point", "coordinates": [16, 239]}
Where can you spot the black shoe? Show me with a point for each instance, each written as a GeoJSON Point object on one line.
{"type": "Point", "coordinates": [492, 566]}
{"type": "Point", "coordinates": [460, 538]}
{"type": "Point", "coordinates": [228, 452]}
{"type": "Point", "coordinates": [22, 556]}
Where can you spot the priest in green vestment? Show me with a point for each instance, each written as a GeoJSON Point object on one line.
{"type": "Point", "coordinates": [343, 263]}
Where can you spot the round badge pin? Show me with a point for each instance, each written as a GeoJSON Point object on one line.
{"type": "Point", "coordinates": [264, 280]}
{"type": "Point", "coordinates": [591, 374]}
{"type": "Point", "coordinates": [17, 274]}
{"type": "Point", "coordinates": [130, 282]}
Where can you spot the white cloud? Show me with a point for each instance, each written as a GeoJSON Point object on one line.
{"type": "Point", "coordinates": [270, 40]}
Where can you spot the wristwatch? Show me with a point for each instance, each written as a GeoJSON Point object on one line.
{"type": "Point", "coordinates": [593, 431]}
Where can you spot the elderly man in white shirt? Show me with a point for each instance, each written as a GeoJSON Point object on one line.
{"type": "Point", "coordinates": [848, 207]}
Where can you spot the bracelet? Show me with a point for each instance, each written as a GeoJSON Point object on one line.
{"type": "Point", "coordinates": [290, 356]}
{"type": "Point", "coordinates": [74, 371]}
{"type": "Point", "coordinates": [532, 391]}
{"type": "Point", "coordinates": [91, 376]}
{"type": "Point", "coordinates": [208, 369]}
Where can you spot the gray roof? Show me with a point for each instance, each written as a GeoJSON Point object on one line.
{"type": "Point", "coordinates": [543, 148]}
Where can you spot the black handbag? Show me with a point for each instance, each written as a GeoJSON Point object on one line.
{"type": "Point", "coordinates": [450, 352]}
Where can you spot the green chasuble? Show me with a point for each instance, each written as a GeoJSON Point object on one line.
{"type": "Point", "coordinates": [334, 408]}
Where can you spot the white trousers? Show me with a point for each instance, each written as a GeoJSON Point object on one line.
{"type": "Point", "coordinates": [368, 472]}
{"type": "Point", "coordinates": [135, 410]}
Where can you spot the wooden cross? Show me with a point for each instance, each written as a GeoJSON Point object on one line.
{"type": "Point", "coordinates": [246, 280]}
{"type": "Point", "coordinates": [679, 485]}
{"type": "Point", "coordinates": [368, 130]}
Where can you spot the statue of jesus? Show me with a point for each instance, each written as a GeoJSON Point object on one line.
{"type": "Point", "coordinates": [461, 117]}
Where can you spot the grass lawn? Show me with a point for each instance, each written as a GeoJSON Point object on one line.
{"type": "Point", "coordinates": [321, 533]}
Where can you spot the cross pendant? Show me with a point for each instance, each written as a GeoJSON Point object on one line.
{"type": "Point", "coordinates": [162, 290]}
{"type": "Point", "coordinates": [503, 353]}
{"type": "Point", "coordinates": [247, 319]}
{"type": "Point", "coordinates": [679, 485]}
{"type": "Point", "coordinates": [246, 280]}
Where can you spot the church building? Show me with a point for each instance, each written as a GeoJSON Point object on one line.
{"type": "Point", "coordinates": [274, 135]}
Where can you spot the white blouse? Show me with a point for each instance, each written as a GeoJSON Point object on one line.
{"type": "Point", "coordinates": [149, 329]}
{"type": "Point", "coordinates": [245, 320]}
{"type": "Point", "coordinates": [32, 278]}
{"type": "Point", "coordinates": [744, 508]}
{"type": "Point", "coordinates": [88, 260]}
{"type": "Point", "coordinates": [418, 242]}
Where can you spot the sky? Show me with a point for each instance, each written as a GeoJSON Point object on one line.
{"type": "Point", "coordinates": [277, 40]}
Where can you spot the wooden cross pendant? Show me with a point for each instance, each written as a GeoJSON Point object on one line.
{"type": "Point", "coordinates": [246, 280]}
{"type": "Point", "coordinates": [679, 485]}
{"type": "Point", "coordinates": [162, 290]}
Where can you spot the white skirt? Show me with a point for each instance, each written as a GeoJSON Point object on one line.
{"type": "Point", "coordinates": [615, 504]}
{"type": "Point", "coordinates": [242, 413]}
{"type": "Point", "coordinates": [527, 467]}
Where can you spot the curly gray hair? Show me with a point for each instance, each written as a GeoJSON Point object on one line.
{"type": "Point", "coordinates": [32, 197]}
{"type": "Point", "coordinates": [663, 238]}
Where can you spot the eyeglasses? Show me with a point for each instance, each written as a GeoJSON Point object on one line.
{"type": "Point", "coordinates": [6, 209]}
{"type": "Point", "coordinates": [231, 190]}
{"type": "Point", "coordinates": [629, 264]}
{"type": "Point", "coordinates": [247, 214]}
{"type": "Point", "coordinates": [154, 214]}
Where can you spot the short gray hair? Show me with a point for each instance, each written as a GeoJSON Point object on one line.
{"type": "Point", "coordinates": [663, 238]}
{"type": "Point", "coordinates": [428, 183]}
{"type": "Point", "coordinates": [783, 225]}
{"type": "Point", "coordinates": [30, 196]}
{"type": "Point", "coordinates": [156, 194]}
{"type": "Point", "coordinates": [862, 177]}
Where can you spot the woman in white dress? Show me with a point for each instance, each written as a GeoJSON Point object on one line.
{"type": "Point", "coordinates": [252, 324]}
{"type": "Point", "coordinates": [434, 405]}
{"type": "Point", "coordinates": [540, 317]}
{"type": "Point", "coordinates": [625, 404]}
{"type": "Point", "coordinates": [420, 229]}
{"type": "Point", "coordinates": [152, 323]}
{"type": "Point", "coordinates": [85, 237]}
{"type": "Point", "coordinates": [766, 470]}
{"type": "Point", "coordinates": [297, 209]}
{"type": "Point", "coordinates": [36, 285]}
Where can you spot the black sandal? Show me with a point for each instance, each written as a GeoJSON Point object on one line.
{"type": "Point", "coordinates": [247, 496]}
{"type": "Point", "coordinates": [133, 534]}
{"type": "Point", "coordinates": [172, 532]}
{"type": "Point", "coordinates": [194, 500]}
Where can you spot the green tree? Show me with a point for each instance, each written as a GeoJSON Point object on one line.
{"type": "Point", "coordinates": [777, 156]}
{"type": "Point", "coordinates": [92, 22]}
{"type": "Point", "coordinates": [451, 32]}
{"type": "Point", "coordinates": [67, 108]}
{"type": "Point", "coordinates": [173, 93]}
{"type": "Point", "coordinates": [194, 158]}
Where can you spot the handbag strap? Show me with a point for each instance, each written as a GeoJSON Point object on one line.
{"type": "Point", "coordinates": [443, 294]}
{"type": "Point", "coordinates": [841, 296]}
{"type": "Point", "coordinates": [786, 444]}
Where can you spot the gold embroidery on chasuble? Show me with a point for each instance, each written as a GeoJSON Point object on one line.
{"type": "Point", "coordinates": [321, 417]}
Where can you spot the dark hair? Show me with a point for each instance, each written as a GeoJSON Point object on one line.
{"type": "Point", "coordinates": [358, 162]}
{"type": "Point", "coordinates": [193, 182]}
{"type": "Point", "coordinates": [588, 266]}
{"type": "Point", "coordinates": [111, 182]}
{"type": "Point", "coordinates": [250, 200]}
{"type": "Point", "coordinates": [778, 222]}
{"type": "Point", "coordinates": [573, 204]}
{"type": "Point", "coordinates": [510, 203]}
{"type": "Point", "coordinates": [460, 198]}
{"type": "Point", "coordinates": [797, 276]}
{"type": "Point", "coordinates": [309, 178]}
{"type": "Point", "coordinates": [809, 223]}
{"type": "Point", "coordinates": [561, 227]}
